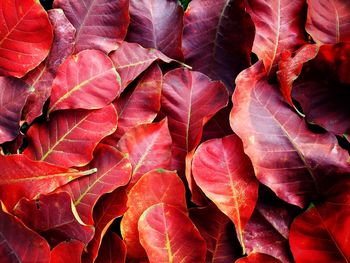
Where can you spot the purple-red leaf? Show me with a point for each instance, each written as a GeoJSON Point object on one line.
{"type": "Point", "coordinates": [218, 38]}
{"type": "Point", "coordinates": [69, 251]}
{"type": "Point", "coordinates": [157, 186]}
{"type": "Point", "coordinates": [75, 87]}
{"type": "Point", "coordinates": [218, 232]}
{"type": "Point", "coordinates": [189, 100]}
{"type": "Point", "coordinates": [70, 137]}
{"type": "Point", "coordinates": [113, 249]}
{"type": "Point", "coordinates": [22, 177]}
{"type": "Point", "coordinates": [100, 24]}
{"type": "Point", "coordinates": [278, 142]}
{"type": "Point", "coordinates": [109, 207]}
{"type": "Point", "coordinates": [234, 188]}
{"type": "Point", "coordinates": [258, 258]}
{"type": "Point", "coordinates": [148, 147]}
{"type": "Point", "coordinates": [157, 24]}
{"type": "Point", "coordinates": [328, 21]}
{"type": "Point", "coordinates": [53, 217]}
{"type": "Point", "coordinates": [279, 26]}
{"type": "Point", "coordinates": [20, 244]}
{"type": "Point", "coordinates": [141, 105]}
{"type": "Point", "coordinates": [13, 96]}
{"type": "Point", "coordinates": [25, 36]}
{"type": "Point", "coordinates": [41, 78]}
{"type": "Point", "coordinates": [113, 171]}
{"type": "Point", "coordinates": [168, 235]}
{"type": "Point", "coordinates": [131, 59]}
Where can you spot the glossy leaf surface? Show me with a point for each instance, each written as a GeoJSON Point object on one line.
{"type": "Point", "coordinates": [70, 137]}
{"type": "Point", "coordinates": [13, 96]}
{"type": "Point", "coordinates": [100, 24]}
{"type": "Point", "coordinates": [148, 146]}
{"type": "Point", "coordinates": [328, 21]}
{"type": "Point", "coordinates": [157, 24]}
{"type": "Point", "coordinates": [53, 217]}
{"type": "Point", "coordinates": [189, 99]}
{"type": "Point", "coordinates": [69, 251]}
{"type": "Point", "coordinates": [278, 142]}
{"type": "Point", "coordinates": [278, 26]}
{"type": "Point", "coordinates": [157, 186]}
{"type": "Point", "coordinates": [25, 36]}
{"type": "Point", "coordinates": [234, 189]}
{"type": "Point", "coordinates": [74, 87]}
{"type": "Point", "coordinates": [23, 177]}
{"type": "Point", "coordinates": [168, 235]}
{"type": "Point", "coordinates": [12, 230]}
{"type": "Point", "coordinates": [113, 171]}
{"type": "Point", "coordinates": [131, 59]}
{"type": "Point", "coordinates": [209, 43]}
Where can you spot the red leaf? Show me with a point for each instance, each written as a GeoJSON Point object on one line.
{"type": "Point", "coordinates": [234, 189]}
{"type": "Point", "coordinates": [113, 249]}
{"type": "Point", "coordinates": [279, 26]}
{"type": "Point", "coordinates": [113, 171]}
{"type": "Point", "coordinates": [157, 24]}
{"type": "Point", "coordinates": [218, 232]}
{"type": "Point", "coordinates": [290, 68]}
{"type": "Point", "coordinates": [258, 258]}
{"type": "Point", "coordinates": [75, 87]}
{"type": "Point", "coordinates": [23, 177]}
{"type": "Point", "coordinates": [328, 21]}
{"type": "Point", "coordinates": [25, 36]}
{"type": "Point", "coordinates": [168, 235]}
{"type": "Point", "coordinates": [52, 216]}
{"type": "Point", "coordinates": [71, 136]}
{"type": "Point", "coordinates": [218, 38]}
{"type": "Point", "coordinates": [41, 77]}
{"type": "Point", "coordinates": [189, 100]}
{"type": "Point", "coordinates": [65, 252]}
{"type": "Point", "coordinates": [279, 143]}
{"type": "Point", "coordinates": [154, 187]}
{"type": "Point", "coordinates": [131, 59]}
{"type": "Point", "coordinates": [109, 207]}
{"type": "Point", "coordinates": [13, 96]}
{"type": "Point", "coordinates": [321, 234]}
{"type": "Point", "coordinates": [139, 106]}
{"type": "Point", "coordinates": [31, 248]}
{"type": "Point", "coordinates": [268, 229]}
{"type": "Point", "coordinates": [148, 147]}
{"type": "Point", "coordinates": [100, 24]}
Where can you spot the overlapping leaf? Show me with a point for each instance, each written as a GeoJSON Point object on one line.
{"type": "Point", "coordinates": [189, 100]}
{"type": "Point", "coordinates": [258, 258]}
{"type": "Point", "coordinates": [168, 235]}
{"type": "Point", "coordinates": [328, 21]}
{"type": "Point", "coordinates": [148, 147]}
{"type": "Point", "coordinates": [278, 142]}
{"type": "Point", "coordinates": [113, 249]}
{"type": "Point", "coordinates": [218, 232]}
{"type": "Point", "coordinates": [69, 251]}
{"type": "Point", "coordinates": [32, 248]}
{"type": "Point", "coordinates": [279, 26]}
{"type": "Point", "coordinates": [234, 189]}
{"type": "Point", "coordinates": [113, 171]}
{"type": "Point", "coordinates": [109, 207]}
{"type": "Point", "coordinates": [13, 96]}
{"type": "Point", "coordinates": [53, 217]}
{"type": "Point", "coordinates": [131, 59]}
{"type": "Point", "coordinates": [23, 177]}
{"type": "Point", "coordinates": [157, 24]}
{"type": "Point", "coordinates": [100, 24]}
{"type": "Point", "coordinates": [157, 186]}
{"type": "Point", "coordinates": [74, 87]}
{"type": "Point", "coordinates": [218, 38]}
{"type": "Point", "coordinates": [70, 137]}
{"type": "Point", "coordinates": [25, 36]}
{"type": "Point", "coordinates": [41, 78]}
